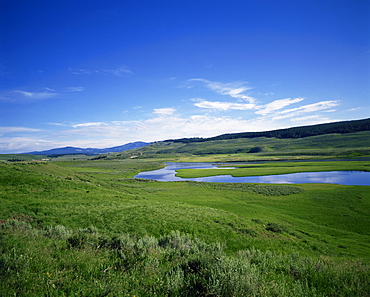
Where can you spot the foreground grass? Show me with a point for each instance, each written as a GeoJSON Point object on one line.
{"type": "Point", "coordinates": [56, 261]}
{"type": "Point", "coordinates": [87, 228]}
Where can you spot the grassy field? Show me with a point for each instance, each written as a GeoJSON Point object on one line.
{"type": "Point", "coordinates": [88, 228]}
{"type": "Point", "coordinates": [20, 158]}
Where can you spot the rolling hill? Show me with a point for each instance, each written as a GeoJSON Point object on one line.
{"type": "Point", "coordinates": [90, 151]}
{"type": "Point", "coordinates": [341, 139]}
{"type": "Point", "coordinates": [294, 132]}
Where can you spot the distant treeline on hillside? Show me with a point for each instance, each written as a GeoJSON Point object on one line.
{"type": "Point", "coordinates": [295, 132]}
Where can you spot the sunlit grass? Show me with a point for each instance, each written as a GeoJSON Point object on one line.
{"type": "Point", "coordinates": [88, 228]}
{"type": "Point", "coordinates": [87, 262]}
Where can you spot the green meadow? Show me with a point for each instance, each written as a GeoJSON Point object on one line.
{"type": "Point", "coordinates": [88, 228]}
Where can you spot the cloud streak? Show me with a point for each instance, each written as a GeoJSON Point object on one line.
{"type": "Point", "coordinates": [37, 95]}
{"type": "Point", "coordinates": [234, 90]}
{"type": "Point", "coordinates": [309, 108]}
{"type": "Point", "coordinates": [164, 111]}
{"type": "Point", "coordinates": [21, 96]}
{"type": "Point", "coordinates": [224, 106]}
{"type": "Point", "coordinates": [120, 71]}
{"type": "Point", "coordinates": [90, 124]}
{"type": "Point", "coordinates": [8, 130]}
{"type": "Point", "coordinates": [74, 89]}
{"type": "Point", "coordinates": [276, 105]}
{"type": "Point", "coordinates": [24, 144]}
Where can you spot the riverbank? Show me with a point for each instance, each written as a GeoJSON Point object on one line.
{"type": "Point", "coordinates": [272, 168]}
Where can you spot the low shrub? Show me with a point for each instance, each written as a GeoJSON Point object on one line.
{"type": "Point", "coordinates": [16, 225]}
{"type": "Point", "coordinates": [276, 228]}
{"type": "Point", "coordinates": [275, 190]}
{"type": "Point", "coordinates": [267, 190]}
{"type": "Point", "coordinates": [175, 264]}
{"type": "Point", "coordinates": [57, 231]}
{"type": "Point", "coordinates": [256, 149]}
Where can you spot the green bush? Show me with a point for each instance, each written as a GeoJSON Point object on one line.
{"type": "Point", "coordinates": [58, 231]}
{"type": "Point", "coordinates": [276, 228]}
{"type": "Point", "coordinates": [267, 190]}
{"type": "Point", "coordinates": [16, 225]}
{"type": "Point", "coordinates": [256, 149]}
{"type": "Point", "coordinates": [275, 190]}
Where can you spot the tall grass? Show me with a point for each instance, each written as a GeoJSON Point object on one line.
{"type": "Point", "coordinates": [41, 262]}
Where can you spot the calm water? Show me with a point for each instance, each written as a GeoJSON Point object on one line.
{"type": "Point", "coordinates": [168, 173]}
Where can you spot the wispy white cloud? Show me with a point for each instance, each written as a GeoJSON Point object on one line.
{"type": "Point", "coordinates": [217, 105]}
{"type": "Point", "coordinates": [74, 89]}
{"type": "Point", "coordinates": [37, 95]}
{"type": "Point", "coordinates": [169, 127]}
{"type": "Point", "coordinates": [82, 71]}
{"type": "Point", "coordinates": [306, 118]}
{"type": "Point", "coordinates": [23, 144]}
{"type": "Point", "coordinates": [22, 96]}
{"type": "Point", "coordinates": [90, 124]}
{"type": "Point", "coordinates": [10, 129]}
{"type": "Point", "coordinates": [274, 110]}
{"type": "Point", "coordinates": [234, 89]}
{"type": "Point", "coordinates": [164, 111]}
{"type": "Point", "coordinates": [312, 120]}
{"type": "Point", "coordinates": [119, 71]}
{"type": "Point", "coordinates": [315, 107]}
{"type": "Point", "coordinates": [49, 89]}
{"type": "Point", "coordinates": [18, 139]}
{"type": "Point", "coordinates": [354, 109]}
{"type": "Point", "coordinates": [58, 124]}
{"type": "Point", "coordinates": [276, 105]}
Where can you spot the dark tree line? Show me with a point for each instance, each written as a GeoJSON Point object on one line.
{"type": "Point", "coordinates": [295, 132]}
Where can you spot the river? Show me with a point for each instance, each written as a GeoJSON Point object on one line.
{"type": "Point", "coordinates": [361, 178]}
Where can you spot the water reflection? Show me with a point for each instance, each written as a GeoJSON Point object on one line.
{"type": "Point", "coordinates": [333, 177]}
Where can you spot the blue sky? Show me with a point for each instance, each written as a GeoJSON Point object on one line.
{"type": "Point", "coordinates": [105, 73]}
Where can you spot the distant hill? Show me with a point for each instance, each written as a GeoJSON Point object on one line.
{"type": "Point", "coordinates": [295, 132]}
{"type": "Point", "coordinates": [69, 150]}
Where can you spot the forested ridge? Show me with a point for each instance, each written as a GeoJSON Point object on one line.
{"type": "Point", "coordinates": [295, 132]}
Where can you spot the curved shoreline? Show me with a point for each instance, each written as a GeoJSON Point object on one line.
{"type": "Point", "coordinates": [276, 168]}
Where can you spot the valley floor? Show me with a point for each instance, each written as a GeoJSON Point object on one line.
{"type": "Point", "coordinates": [88, 228]}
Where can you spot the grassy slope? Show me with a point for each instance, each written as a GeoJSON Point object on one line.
{"type": "Point", "coordinates": [323, 146]}
{"type": "Point", "coordinates": [20, 157]}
